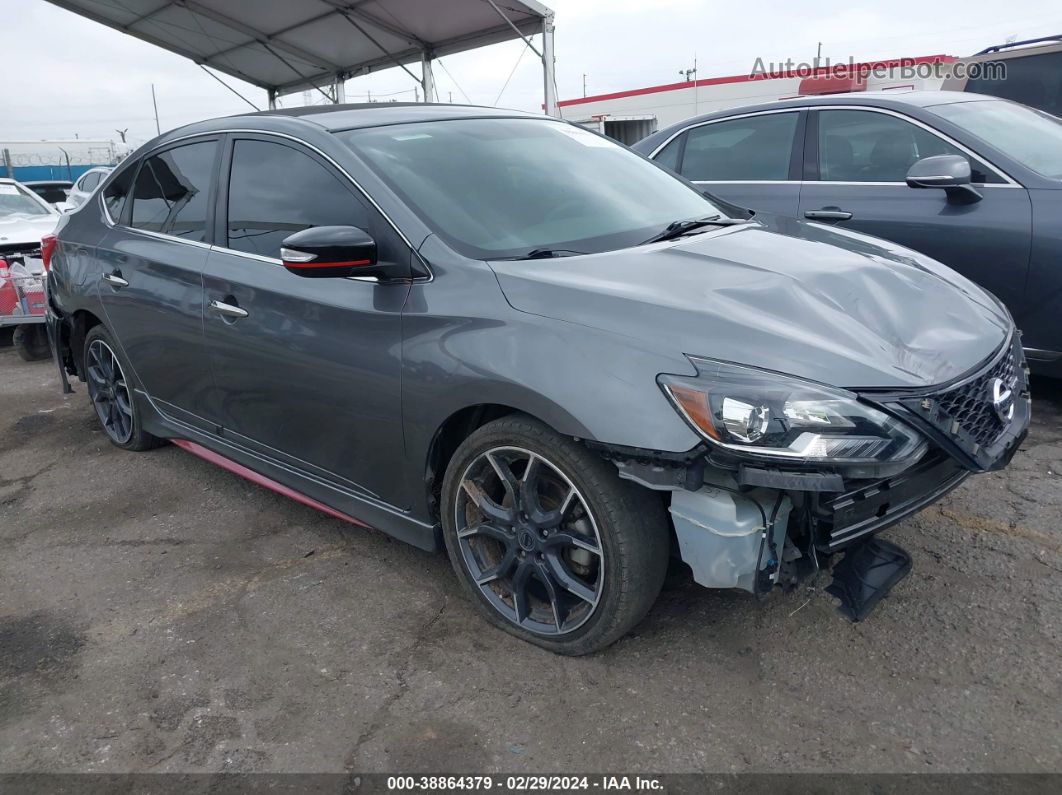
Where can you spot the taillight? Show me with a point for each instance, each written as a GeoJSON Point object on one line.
{"type": "Point", "coordinates": [4, 272]}
{"type": "Point", "coordinates": [48, 244]}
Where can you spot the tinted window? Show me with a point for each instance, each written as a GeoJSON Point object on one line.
{"type": "Point", "coordinates": [115, 194]}
{"type": "Point", "coordinates": [173, 190]}
{"type": "Point", "coordinates": [668, 156]}
{"type": "Point", "coordinates": [503, 187]}
{"type": "Point", "coordinates": [755, 147]}
{"type": "Point", "coordinates": [1034, 80]}
{"type": "Point", "coordinates": [50, 193]}
{"type": "Point", "coordinates": [275, 190]}
{"type": "Point", "coordinates": [1031, 137]}
{"type": "Point", "coordinates": [90, 181]}
{"type": "Point", "coordinates": [864, 146]}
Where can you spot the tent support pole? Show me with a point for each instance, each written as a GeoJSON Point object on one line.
{"type": "Point", "coordinates": [549, 79]}
{"type": "Point", "coordinates": [340, 88]}
{"type": "Point", "coordinates": [272, 98]}
{"type": "Point", "coordinates": [427, 77]}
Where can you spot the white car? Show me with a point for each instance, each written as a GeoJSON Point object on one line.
{"type": "Point", "coordinates": [86, 184]}
{"type": "Point", "coordinates": [24, 219]}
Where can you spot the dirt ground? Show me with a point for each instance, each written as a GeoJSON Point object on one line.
{"type": "Point", "coordinates": [159, 614]}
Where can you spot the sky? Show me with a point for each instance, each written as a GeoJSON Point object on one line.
{"type": "Point", "coordinates": [65, 76]}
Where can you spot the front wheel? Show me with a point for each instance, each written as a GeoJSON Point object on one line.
{"type": "Point", "coordinates": [549, 543]}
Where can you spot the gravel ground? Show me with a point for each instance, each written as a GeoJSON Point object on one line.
{"type": "Point", "coordinates": [159, 614]}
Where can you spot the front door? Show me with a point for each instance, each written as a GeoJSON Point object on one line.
{"type": "Point", "coordinates": [152, 280]}
{"type": "Point", "coordinates": [863, 157]}
{"type": "Point", "coordinates": [752, 161]}
{"type": "Point", "coordinates": [307, 369]}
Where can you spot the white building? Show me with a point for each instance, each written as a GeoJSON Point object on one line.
{"type": "Point", "coordinates": [629, 116]}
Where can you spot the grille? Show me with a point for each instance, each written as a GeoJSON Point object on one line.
{"type": "Point", "coordinates": [970, 405]}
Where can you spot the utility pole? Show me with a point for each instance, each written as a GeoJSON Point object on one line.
{"type": "Point", "coordinates": [584, 84]}
{"type": "Point", "coordinates": [451, 93]}
{"type": "Point", "coordinates": [818, 55]}
{"type": "Point", "coordinates": [158, 130]}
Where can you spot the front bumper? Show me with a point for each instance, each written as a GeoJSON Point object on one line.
{"type": "Point", "coordinates": [839, 520]}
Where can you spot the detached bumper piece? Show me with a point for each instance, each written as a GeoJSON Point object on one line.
{"type": "Point", "coordinates": [874, 506]}
{"type": "Point", "coordinates": [866, 574]}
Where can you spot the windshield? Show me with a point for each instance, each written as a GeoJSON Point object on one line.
{"type": "Point", "coordinates": [1029, 136]}
{"type": "Point", "coordinates": [498, 188]}
{"type": "Point", "coordinates": [15, 201]}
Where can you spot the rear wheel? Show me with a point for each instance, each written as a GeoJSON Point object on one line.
{"type": "Point", "coordinates": [547, 540]}
{"type": "Point", "coordinates": [31, 342]}
{"type": "Point", "coordinates": [111, 394]}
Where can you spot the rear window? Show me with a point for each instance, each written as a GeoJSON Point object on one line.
{"type": "Point", "coordinates": [1033, 80]}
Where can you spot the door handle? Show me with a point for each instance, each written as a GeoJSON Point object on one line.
{"type": "Point", "coordinates": [227, 310]}
{"type": "Point", "coordinates": [828, 214]}
{"type": "Point", "coordinates": [115, 280]}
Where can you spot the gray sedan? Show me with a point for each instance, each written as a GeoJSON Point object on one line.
{"type": "Point", "coordinates": [972, 181]}
{"type": "Point", "coordinates": [509, 337]}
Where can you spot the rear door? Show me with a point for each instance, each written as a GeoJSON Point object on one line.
{"type": "Point", "coordinates": [753, 160]}
{"type": "Point", "coordinates": [310, 374]}
{"type": "Point", "coordinates": [856, 166]}
{"type": "Point", "coordinates": [152, 260]}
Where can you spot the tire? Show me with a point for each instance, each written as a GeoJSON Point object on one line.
{"type": "Point", "coordinates": [31, 342]}
{"type": "Point", "coordinates": [601, 540]}
{"type": "Point", "coordinates": [111, 393]}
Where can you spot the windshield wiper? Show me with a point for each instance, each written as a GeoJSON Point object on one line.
{"type": "Point", "coordinates": [548, 253]}
{"type": "Point", "coordinates": [685, 226]}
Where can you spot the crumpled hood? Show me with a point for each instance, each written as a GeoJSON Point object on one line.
{"type": "Point", "coordinates": [17, 229]}
{"type": "Point", "coordinates": [824, 304]}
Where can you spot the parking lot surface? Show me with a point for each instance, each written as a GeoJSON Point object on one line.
{"type": "Point", "coordinates": [160, 614]}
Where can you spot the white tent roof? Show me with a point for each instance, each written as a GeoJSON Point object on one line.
{"type": "Point", "coordinates": [289, 45]}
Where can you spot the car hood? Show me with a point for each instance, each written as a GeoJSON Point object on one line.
{"type": "Point", "coordinates": [18, 229]}
{"type": "Point", "coordinates": [824, 304]}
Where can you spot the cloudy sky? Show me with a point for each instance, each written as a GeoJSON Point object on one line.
{"type": "Point", "coordinates": [64, 75]}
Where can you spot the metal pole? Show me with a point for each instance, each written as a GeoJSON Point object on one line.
{"type": "Point", "coordinates": [549, 80]}
{"type": "Point", "coordinates": [272, 98]}
{"type": "Point", "coordinates": [7, 164]}
{"type": "Point", "coordinates": [158, 130]}
{"type": "Point", "coordinates": [427, 77]}
{"type": "Point", "coordinates": [341, 89]}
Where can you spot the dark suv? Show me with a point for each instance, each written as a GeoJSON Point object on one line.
{"type": "Point", "coordinates": [507, 335]}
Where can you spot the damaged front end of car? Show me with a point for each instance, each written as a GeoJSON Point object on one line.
{"type": "Point", "coordinates": [790, 473]}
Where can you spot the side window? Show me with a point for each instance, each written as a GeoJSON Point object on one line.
{"type": "Point", "coordinates": [865, 146]}
{"type": "Point", "coordinates": [89, 181]}
{"type": "Point", "coordinates": [117, 192]}
{"type": "Point", "coordinates": [276, 190]}
{"type": "Point", "coordinates": [172, 191]}
{"type": "Point", "coordinates": [668, 156]}
{"type": "Point", "coordinates": [751, 148]}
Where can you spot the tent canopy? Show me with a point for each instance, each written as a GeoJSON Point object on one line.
{"type": "Point", "coordinates": [285, 46]}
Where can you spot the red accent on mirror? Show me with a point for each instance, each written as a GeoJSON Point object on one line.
{"type": "Point", "coordinates": [345, 264]}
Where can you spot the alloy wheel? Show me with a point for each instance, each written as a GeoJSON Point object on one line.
{"type": "Point", "coordinates": [529, 541]}
{"type": "Point", "coordinates": [109, 391]}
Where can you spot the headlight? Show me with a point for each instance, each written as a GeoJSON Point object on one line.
{"type": "Point", "coordinates": [764, 414]}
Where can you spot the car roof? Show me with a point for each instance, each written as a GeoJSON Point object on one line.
{"type": "Point", "coordinates": [333, 118]}
{"type": "Point", "coordinates": [895, 100]}
{"type": "Point", "coordinates": [47, 182]}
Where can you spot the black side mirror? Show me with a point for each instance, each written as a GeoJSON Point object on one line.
{"type": "Point", "coordinates": [948, 172]}
{"type": "Point", "coordinates": [332, 252]}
